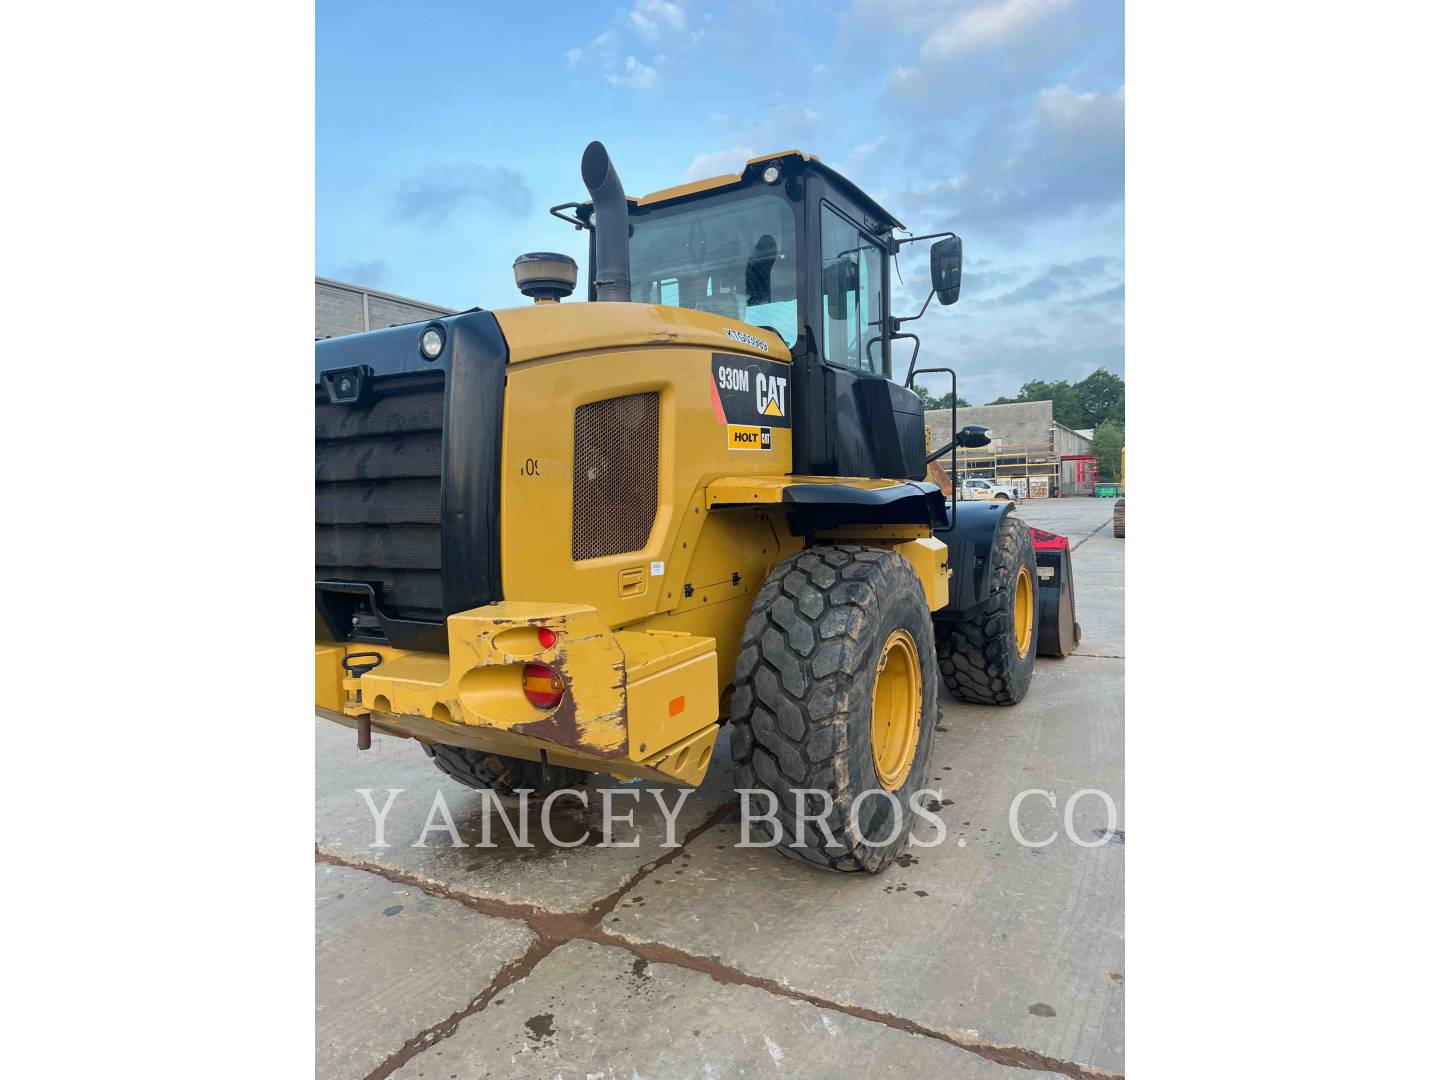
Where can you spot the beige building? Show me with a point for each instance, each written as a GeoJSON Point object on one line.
{"type": "Point", "coordinates": [1027, 445]}
{"type": "Point", "coordinates": [341, 308]}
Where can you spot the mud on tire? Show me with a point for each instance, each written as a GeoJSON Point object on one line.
{"type": "Point", "coordinates": [979, 660]}
{"type": "Point", "coordinates": [503, 775]}
{"type": "Point", "coordinates": [805, 682]}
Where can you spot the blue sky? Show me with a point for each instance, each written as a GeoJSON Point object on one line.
{"type": "Point", "coordinates": [446, 129]}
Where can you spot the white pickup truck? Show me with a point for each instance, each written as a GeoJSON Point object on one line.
{"type": "Point", "coordinates": [982, 488]}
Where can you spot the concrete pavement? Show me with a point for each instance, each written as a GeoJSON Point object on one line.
{"type": "Point", "coordinates": [977, 957]}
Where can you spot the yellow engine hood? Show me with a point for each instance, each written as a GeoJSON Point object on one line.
{"type": "Point", "coordinates": [545, 330]}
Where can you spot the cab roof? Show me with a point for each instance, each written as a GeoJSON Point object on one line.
{"type": "Point", "coordinates": [751, 171]}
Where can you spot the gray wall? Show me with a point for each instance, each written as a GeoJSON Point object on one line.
{"type": "Point", "coordinates": [1070, 442]}
{"type": "Point", "coordinates": [351, 309]}
{"type": "Point", "coordinates": [1025, 437]}
{"type": "Point", "coordinates": [1026, 422]}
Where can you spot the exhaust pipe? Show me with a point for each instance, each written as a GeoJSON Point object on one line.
{"type": "Point", "coordinates": [612, 224]}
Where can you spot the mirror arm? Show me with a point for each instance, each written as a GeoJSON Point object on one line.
{"type": "Point", "coordinates": [896, 320]}
{"type": "Point", "coordinates": [938, 454]}
{"type": "Point", "coordinates": [895, 244]}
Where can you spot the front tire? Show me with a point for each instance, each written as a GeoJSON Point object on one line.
{"type": "Point", "coordinates": [835, 691]}
{"type": "Point", "coordinates": [504, 775]}
{"type": "Point", "coordinates": [988, 658]}
{"type": "Point", "coordinates": [1120, 519]}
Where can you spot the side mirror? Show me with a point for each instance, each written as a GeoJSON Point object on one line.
{"type": "Point", "coordinates": [973, 436]}
{"type": "Point", "coordinates": [945, 259]}
{"type": "Point", "coordinates": [841, 278]}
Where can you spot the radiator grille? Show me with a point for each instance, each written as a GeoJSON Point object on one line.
{"type": "Point", "coordinates": [377, 496]}
{"type": "Point", "coordinates": [617, 475]}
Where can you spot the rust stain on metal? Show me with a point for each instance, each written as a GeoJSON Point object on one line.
{"type": "Point", "coordinates": [604, 734]}
{"type": "Point", "coordinates": [562, 728]}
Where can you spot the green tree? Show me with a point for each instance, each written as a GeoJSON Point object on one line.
{"type": "Point", "coordinates": [1100, 397]}
{"type": "Point", "coordinates": [1066, 408]}
{"type": "Point", "coordinates": [1109, 441]}
{"type": "Point", "coordinates": [930, 401]}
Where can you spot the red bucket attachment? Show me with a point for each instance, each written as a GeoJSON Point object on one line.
{"type": "Point", "coordinates": [1055, 599]}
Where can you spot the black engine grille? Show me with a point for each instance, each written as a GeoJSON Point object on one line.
{"type": "Point", "coordinates": [377, 494]}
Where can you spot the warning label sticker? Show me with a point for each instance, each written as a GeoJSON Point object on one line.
{"type": "Point", "coordinates": [745, 437]}
{"type": "Point", "coordinates": [748, 391]}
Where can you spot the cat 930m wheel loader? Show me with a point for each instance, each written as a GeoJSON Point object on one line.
{"type": "Point", "coordinates": [571, 538]}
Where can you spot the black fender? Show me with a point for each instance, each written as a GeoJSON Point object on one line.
{"type": "Point", "coordinates": [812, 507]}
{"type": "Point", "coordinates": [969, 533]}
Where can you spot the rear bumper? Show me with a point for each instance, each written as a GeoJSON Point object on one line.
{"type": "Point", "coordinates": [636, 703]}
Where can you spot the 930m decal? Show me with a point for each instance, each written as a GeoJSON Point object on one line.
{"type": "Point", "coordinates": [750, 392]}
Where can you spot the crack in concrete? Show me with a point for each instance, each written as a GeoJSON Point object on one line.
{"type": "Point", "coordinates": [1091, 533]}
{"type": "Point", "coordinates": [1001, 1054]}
{"type": "Point", "coordinates": [1099, 656]}
{"type": "Point", "coordinates": [511, 973]}
{"type": "Point", "coordinates": [554, 929]}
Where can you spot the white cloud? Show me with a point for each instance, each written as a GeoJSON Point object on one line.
{"type": "Point", "coordinates": [908, 16]}
{"type": "Point", "coordinates": [985, 51]}
{"type": "Point", "coordinates": [860, 156]}
{"type": "Point", "coordinates": [730, 160]}
{"type": "Point", "coordinates": [652, 18]}
{"type": "Point", "coordinates": [1067, 157]}
{"type": "Point", "coordinates": [788, 124]}
{"type": "Point", "coordinates": [990, 26]}
{"type": "Point", "coordinates": [1062, 107]}
{"type": "Point", "coordinates": [635, 75]}
{"type": "Point", "coordinates": [784, 127]}
{"type": "Point", "coordinates": [604, 47]}
{"type": "Point", "coordinates": [653, 23]}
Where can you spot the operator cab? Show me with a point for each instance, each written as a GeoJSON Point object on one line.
{"type": "Point", "coordinates": [791, 246]}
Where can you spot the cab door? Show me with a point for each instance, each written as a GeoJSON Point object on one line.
{"type": "Point", "coordinates": [879, 426]}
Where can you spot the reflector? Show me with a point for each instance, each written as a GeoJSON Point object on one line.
{"type": "Point", "coordinates": [542, 687]}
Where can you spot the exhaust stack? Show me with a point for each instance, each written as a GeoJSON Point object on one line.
{"type": "Point", "coordinates": [612, 224]}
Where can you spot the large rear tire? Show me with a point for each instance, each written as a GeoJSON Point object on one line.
{"type": "Point", "coordinates": [835, 691]}
{"type": "Point", "coordinates": [1120, 519]}
{"type": "Point", "coordinates": [504, 775]}
{"type": "Point", "coordinates": [988, 658]}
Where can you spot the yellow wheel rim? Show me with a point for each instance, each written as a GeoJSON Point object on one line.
{"type": "Point", "coordinates": [1024, 611]}
{"type": "Point", "coordinates": [895, 717]}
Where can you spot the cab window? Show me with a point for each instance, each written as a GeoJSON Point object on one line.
{"type": "Point", "coordinates": [734, 258]}
{"type": "Point", "coordinates": [853, 273]}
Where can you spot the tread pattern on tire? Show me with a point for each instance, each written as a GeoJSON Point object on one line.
{"type": "Point", "coordinates": [1120, 520]}
{"type": "Point", "coordinates": [977, 655]}
{"type": "Point", "coordinates": [503, 775]}
{"type": "Point", "coordinates": [801, 665]}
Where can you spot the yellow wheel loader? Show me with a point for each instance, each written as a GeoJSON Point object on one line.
{"type": "Point", "coordinates": [582, 537]}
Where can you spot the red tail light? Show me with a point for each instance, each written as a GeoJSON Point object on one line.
{"type": "Point", "coordinates": [547, 637]}
{"type": "Point", "coordinates": [543, 687]}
